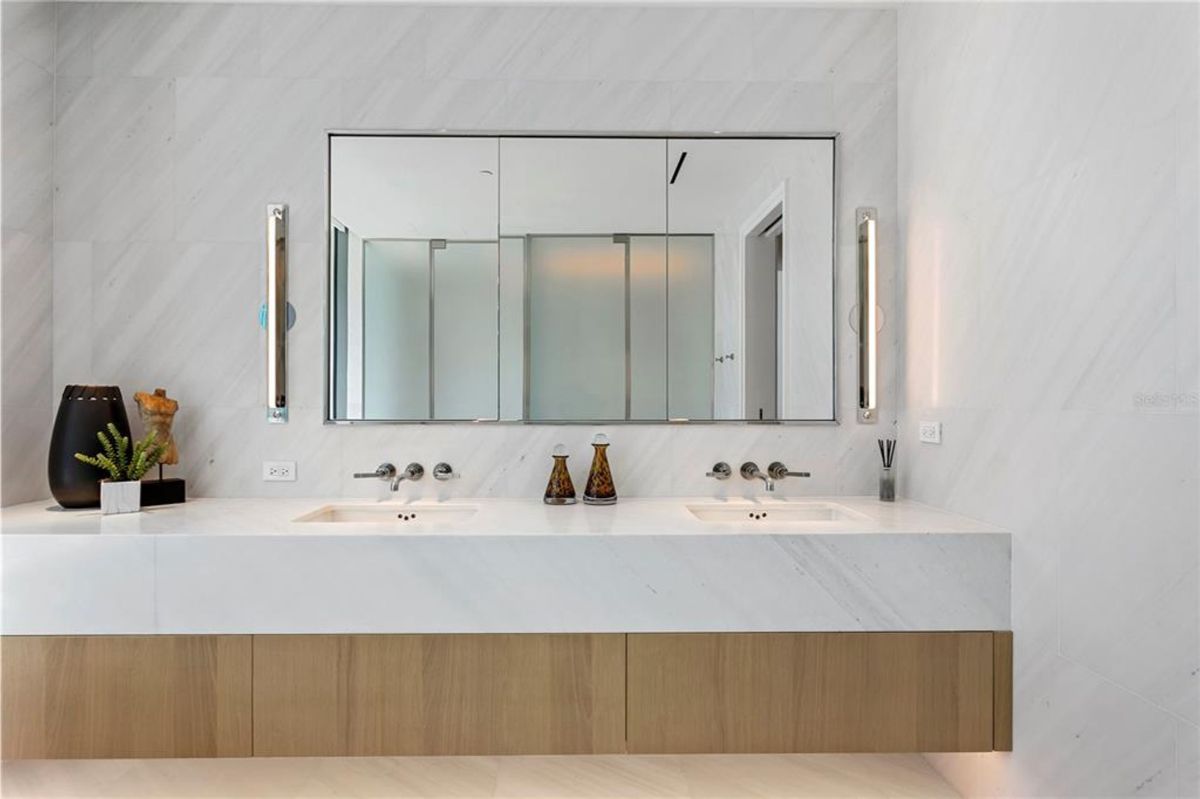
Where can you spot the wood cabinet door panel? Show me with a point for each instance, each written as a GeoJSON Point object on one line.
{"type": "Point", "coordinates": [438, 694]}
{"type": "Point", "coordinates": [810, 692]}
{"type": "Point", "coordinates": [126, 696]}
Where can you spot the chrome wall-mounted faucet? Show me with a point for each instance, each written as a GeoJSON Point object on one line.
{"type": "Point", "coordinates": [750, 471]}
{"type": "Point", "coordinates": [413, 471]}
{"type": "Point", "coordinates": [778, 471]}
{"type": "Point", "coordinates": [384, 471]}
{"type": "Point", "coordinates": [387, 471]}
{"type": "Point", "coordinates": [720, 471]}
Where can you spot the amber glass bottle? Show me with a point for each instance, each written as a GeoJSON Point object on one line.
{"type": "Point", "coordinates": [600, 489]}
{"type": "Point", "coordinates": [560, 490]}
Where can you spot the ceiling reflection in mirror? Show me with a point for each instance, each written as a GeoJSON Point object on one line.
{"type": "Point", "coordinates": [580, 279]}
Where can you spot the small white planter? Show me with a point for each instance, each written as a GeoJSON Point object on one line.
{"type": "Point", "coordinates": [120, 497]}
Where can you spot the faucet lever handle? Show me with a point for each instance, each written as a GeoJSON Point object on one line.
{"type": "Point", "coordinates": [778, 471]}
{"type": "Point", "coordinates": [720, 471]}
{"type": "Point", "coordinates": [385, 471]}
{"type": "Point", "coordinates": [444, 471]}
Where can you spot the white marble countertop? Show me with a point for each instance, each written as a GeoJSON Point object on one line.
{"type": "Point", "coordinates": [247, 566]}
{"type": "Point", "coordinates": [492, 517]}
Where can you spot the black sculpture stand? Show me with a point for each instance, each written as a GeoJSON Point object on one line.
{"type": "Point", "coordinates": [163, 491]}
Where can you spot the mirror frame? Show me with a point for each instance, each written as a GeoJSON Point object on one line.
{"type": "Point", "coordinates": [328, 305]}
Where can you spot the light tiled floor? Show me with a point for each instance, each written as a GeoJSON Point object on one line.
{"type": "Point", "coordinates": [708, 776]}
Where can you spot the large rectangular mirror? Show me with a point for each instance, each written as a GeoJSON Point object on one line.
{"type": "Point", "coordinates": [580, 279]}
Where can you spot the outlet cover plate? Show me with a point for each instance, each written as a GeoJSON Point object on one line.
{"type": "Point", "coordinates": [279, 471]}
{"type": "Point", "coordinates": [931, 432]}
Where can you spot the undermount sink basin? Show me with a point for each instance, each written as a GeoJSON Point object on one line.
{"type": "Point", "coordinates": [390, 514]}
{"type": "Point", "coordinates": [772, 512]}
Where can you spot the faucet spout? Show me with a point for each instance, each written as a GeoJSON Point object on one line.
{"type": "Point", "coordinates": [414, 471]}
{"type": "Point", "coordinates": [750, 471]}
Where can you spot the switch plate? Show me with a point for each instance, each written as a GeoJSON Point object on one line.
{"type": "Point", "coordinates": [931, 432]}
{"type": "Point", "coordinates": [279, 471]}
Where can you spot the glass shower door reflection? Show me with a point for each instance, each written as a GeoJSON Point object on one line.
{"type": "Point", "coordinates": [576, 328]}
{"type": "Point", "coordinates": [465, 348]}
{"type": "Point", "coordinates": [396, 329]}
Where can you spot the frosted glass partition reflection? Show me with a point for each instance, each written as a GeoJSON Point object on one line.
{"type": "Point", "coordinates": [576, 316]}
{"type": "Point", "coordinates": [395, 329]}
{"type": "Point", "coordinates": [601, 327]}
{"type": "Point", "coordinates": [465, 351]}
{"type": "Point", "coordinates": [648, 327]}
{"type": "Point", "coordinates": [512, 327]}
{"type": "Point", "coordinates": [690, 326]}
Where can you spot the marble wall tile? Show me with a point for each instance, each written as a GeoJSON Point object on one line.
{"type": "Point", "coordinates": [116, 186]}
{"type": "Point", "coordinates": [1048, 302]}
{"type": "Point", "coordinates": [512, 43]}
{"type": "Point", "coordinates": [593, 105]}
{"type": "Point", "coordinates": [1187, 278]}
{"type": "Point", "coordinates": [195, 139]}
{"type": "Point", "coordinates": [26, 308]}
{"type": "Point", "coordinates": [240, 144]}
{"type": "Point", "coordinates": [1129, 588]}
{"type": "Point", "coordinates": [24, 440]}
{"type": "Point", "coordinates": [324, 41]}
{"type": "Point", "coordinates": [168, 39]}
{"type": "Point", "coordinates": [1187, 758]}
{"type": "Point", "coordinates": [780, 106]}
{"type": "Point", "coordinates": [27, 32]}
{"type": "Point", "coordinates": [73, 39]}
{"type": "Point", "coordinates": [422, 104]}
{"type": "Point", "coordinates": [26, 337]}
{"type": "Point", "coordinates": [824, 45]}
{"type": "Point", "coordinates": [671, 44]}
{"type": "Point", "coordinates": [26, 129]}
{"type": "Point", "coordinates": [306, 295]}
{"type": "Point", "coordinates": [142, 289]}
{"type": "Point", "coordinates": [74, 310]}
{"type": "Point", "coordinates": [227, 445]}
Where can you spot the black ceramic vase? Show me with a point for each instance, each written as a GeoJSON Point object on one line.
{"type": "Point", "coordinates": [82, 412]}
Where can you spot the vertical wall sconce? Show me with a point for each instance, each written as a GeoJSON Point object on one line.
{"type": "Point", "coordinates": [868, 345]}
{"type": "Point", "coordinates": [277, 314]}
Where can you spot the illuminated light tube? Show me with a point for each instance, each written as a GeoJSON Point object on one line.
{"type": "Point", "coordinates": [276, 316]}
{"type": "Point", "coordinates": [868, 323]}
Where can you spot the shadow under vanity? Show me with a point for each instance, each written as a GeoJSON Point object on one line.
{"type": "Point", "coordinates": [497, 278]}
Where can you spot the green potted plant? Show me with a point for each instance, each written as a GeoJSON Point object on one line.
{"type": "Point", "coordinates": [121, 491]}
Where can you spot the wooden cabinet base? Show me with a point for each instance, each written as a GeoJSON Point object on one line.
{"type": "Point", "coordinates": [439, 694]}
{"type": "Point", "coordinates": [235, 696]}
{"type": "Point", "coordinates": [810, 692]}
{"type": "Point", "coordinates": [126, 696]}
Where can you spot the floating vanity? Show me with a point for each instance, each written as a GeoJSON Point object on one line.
{"type": "Point", "coordinates": [310, 627]}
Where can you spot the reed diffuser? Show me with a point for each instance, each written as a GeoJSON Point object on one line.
{"type": "Point", "coordinates": [887, 480]}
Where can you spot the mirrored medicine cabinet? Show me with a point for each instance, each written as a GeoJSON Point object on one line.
{"type": "Point", "coordinates": [580, 279]}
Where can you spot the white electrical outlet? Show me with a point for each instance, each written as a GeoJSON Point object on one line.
{"type": "Point", "coordinates": [931, 432]}
{"type": "Point", "coordinates": [279, 471]}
